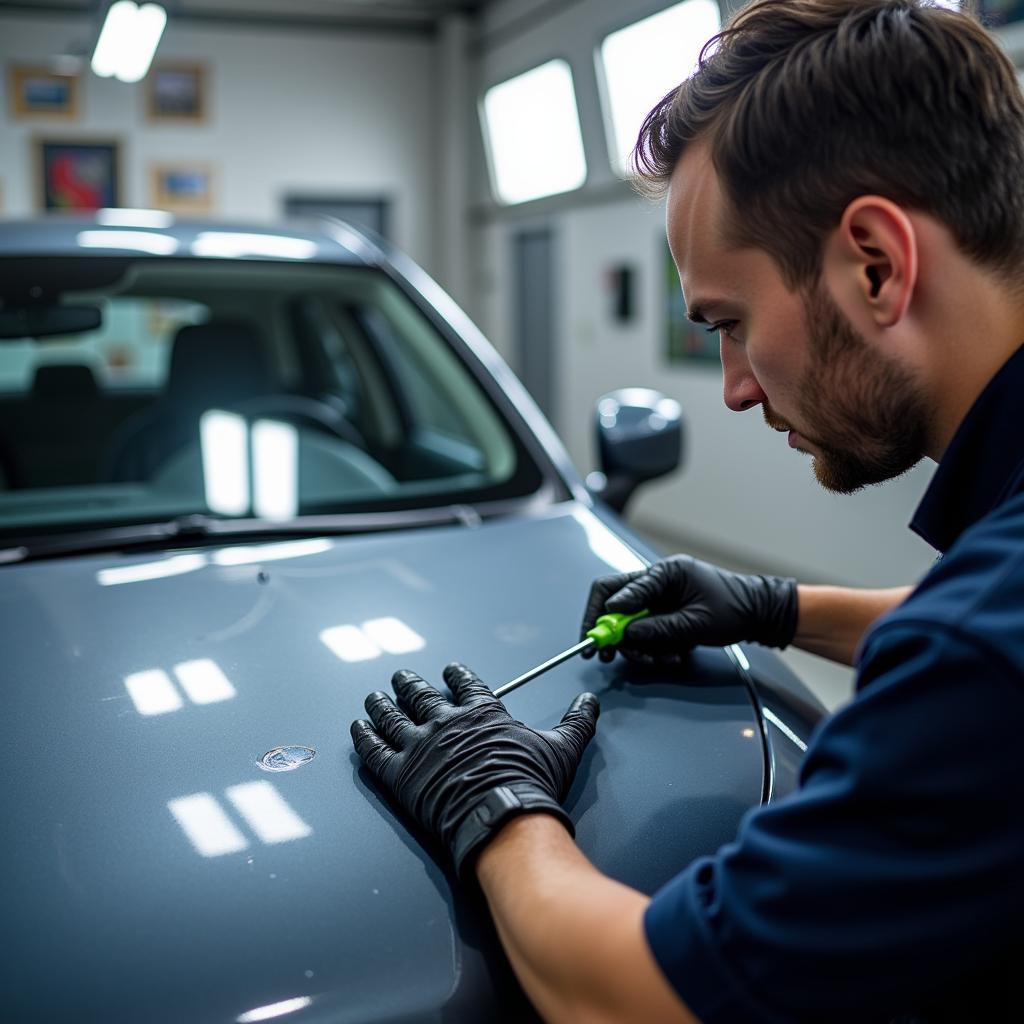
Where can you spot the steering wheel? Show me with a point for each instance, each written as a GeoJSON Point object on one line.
{"type": "Point", "coordinates": [314, 411]}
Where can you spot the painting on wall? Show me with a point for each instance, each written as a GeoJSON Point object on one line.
{"type": "Point", "coordinates": [686, 342]}
{"type": "Point", "coordinates": [36, 92]}
{"type": "Point", "coordinates": [177, 92]}
{"type": "Point", "coordinates": [78, 175]}
{"type": "Point", "coordinates": [182, 187]}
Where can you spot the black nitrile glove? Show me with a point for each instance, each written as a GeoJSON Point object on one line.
{"type": "Point", "coordinates": [693, 603]}
{"type": "Point", "coordinates": [462, 768]}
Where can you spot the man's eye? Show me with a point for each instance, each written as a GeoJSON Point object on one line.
{"type": "Point", "coordinates": [722, 326]}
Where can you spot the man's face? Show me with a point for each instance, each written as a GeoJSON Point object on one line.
{"type": "Point", "coordinates": [855, 410]}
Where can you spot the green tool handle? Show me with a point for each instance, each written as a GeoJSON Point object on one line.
{"type": "Point", "coordinates": [609, 628]}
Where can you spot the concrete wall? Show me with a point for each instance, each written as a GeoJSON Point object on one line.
{"type": "Point", "coordinates": [743, 491]}
{"type": "Point", "coordinates": [290, 111]}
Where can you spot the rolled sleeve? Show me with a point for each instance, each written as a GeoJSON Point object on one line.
{"type": "Point", "coordinates": [889, 877]}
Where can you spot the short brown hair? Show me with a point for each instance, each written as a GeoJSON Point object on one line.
{"type": "Point", "coordinates": [807, 104]}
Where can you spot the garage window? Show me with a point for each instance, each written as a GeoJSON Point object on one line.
{"type": "Point", "coordinates": [532, 129]}
{"type": "Point", "coordinates": [639, 64]}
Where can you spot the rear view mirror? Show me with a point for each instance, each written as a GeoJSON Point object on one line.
{"type": "Point", "coordinates": [639, 438]}
{"type": "Point", "coordinates": [41, 321]}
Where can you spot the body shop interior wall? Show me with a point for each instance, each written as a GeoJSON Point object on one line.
{"type": "Point", "coordinates": [323, 113]}
{"type": "Point", "coordinates": [743, 491]}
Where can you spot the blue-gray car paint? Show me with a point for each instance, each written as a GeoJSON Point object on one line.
{"type": "Point", "coordinates": [325, 907]}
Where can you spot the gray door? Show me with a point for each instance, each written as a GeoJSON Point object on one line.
{"type": "Point", "coordinates": [372, 214]}
{"type": "Point", "coordinates": [534, 323]}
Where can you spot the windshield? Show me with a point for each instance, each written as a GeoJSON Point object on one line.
{"type": "Point", "coordinates": [250, 390]}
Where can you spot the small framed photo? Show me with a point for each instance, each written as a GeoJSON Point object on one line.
{"type": "Point", "coordinates": [78, 175]}
{"type": "Point", "coordinates": [177, 93]}
{"type": "Point", "coordinates": [37, 92]}
{"type": "Point", "coordinates": [182, 187]}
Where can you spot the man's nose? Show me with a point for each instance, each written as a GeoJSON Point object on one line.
{"type": "Point", "coordinates": [741, 390]}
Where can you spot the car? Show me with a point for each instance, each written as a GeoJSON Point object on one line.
{"type": "Point", "coordinates": [246, 473]}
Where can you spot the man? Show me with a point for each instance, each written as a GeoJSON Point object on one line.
{"type": "Point", "coordinates": [846, 209]}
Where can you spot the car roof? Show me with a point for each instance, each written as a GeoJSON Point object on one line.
{"type": "Point", "coordinates": [124, 232]}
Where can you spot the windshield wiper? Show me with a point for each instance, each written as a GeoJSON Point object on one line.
{"type": "Point", "coordinates": [196, 530]}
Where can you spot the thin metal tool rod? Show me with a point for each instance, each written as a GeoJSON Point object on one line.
{"type": "Point", "coordinates": [583, 645]}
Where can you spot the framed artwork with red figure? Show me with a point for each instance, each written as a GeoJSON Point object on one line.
{"type": "Point", "coordinates": [78, 175]}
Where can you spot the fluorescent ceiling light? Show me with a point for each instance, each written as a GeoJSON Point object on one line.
{"type": "Point", "coordinates": [533, 135]}
{"type": "Point", "coordinates": [393, 636]}
{"type": "Point", "coordinates": [136, 241]}
{"type": "Point", "coordinates": [203, 681]}
{"type": "Point", "coordinates": [209, 830]}
{"type": "Point", "coordinates": [249, 554]}
{"type": "Point", "coordinates": [128, 40]}
{"type": "Point", "coordinates": [274, 1010]}
{"type": "Point", "coordinates": [141, 571]}
{"type": "Point", "coordinates": [224, 440]}
{"type": "Point", "coordinates": [640, 64]}
{"type": "Point", "coordinates": [275, 465]}
{"type": "Point", "coordinates": [267, 813]}
{"type": "Point", "coordinates": [122, 217]}
{"type": "Point", "coordinates": [236, 245]}
{"type": "Point", "coordinates": [350, 643]}
{"type": "Point", "coordinates": [152, 692]}
{"type": "Point", "coordinates": [372, 639]}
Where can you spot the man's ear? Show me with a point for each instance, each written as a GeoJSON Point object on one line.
{"type": "Point", "coordinates": [871, 259]}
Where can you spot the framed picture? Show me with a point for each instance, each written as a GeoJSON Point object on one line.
{"type": "Point", "coordinates": [182, 187]}
{"type": "Point", "coordinates": [177, 92]}
{"type": "Point", "coordinates": [685, 341]}
{"type": "Point", "coordinates": [78, 175]}
{"type": "Point", "coordinates": [36, 92]}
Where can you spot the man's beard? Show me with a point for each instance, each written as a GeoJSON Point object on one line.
{"type": "Point", "coordinates": [864, 413]}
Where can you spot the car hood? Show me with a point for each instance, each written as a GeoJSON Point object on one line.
{"type": "Point", "coordinates": [154, 871]}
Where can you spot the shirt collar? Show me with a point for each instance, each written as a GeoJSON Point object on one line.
{"type": "Point", "coordinates": [981, 464]}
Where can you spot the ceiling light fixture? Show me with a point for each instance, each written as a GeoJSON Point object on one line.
{"type": "Point", "coordinates": [128, 40]}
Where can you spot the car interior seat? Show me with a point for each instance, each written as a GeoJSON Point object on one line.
{"type": "Point", "coordinates": [62, 403]}
{"type": "Point", "coordinates": [213, 365]}
{"type": "Point", "coordinates": [65, 382]}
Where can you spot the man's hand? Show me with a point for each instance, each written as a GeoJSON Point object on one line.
{"type": "Point", "coordinates": [463, 768]}
{"type": "Point", "coordinates": [693, 603]}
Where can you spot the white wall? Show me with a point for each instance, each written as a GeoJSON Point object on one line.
{"type": "Point", "coordinates": [743, 491]}
{"type": "Point", "coordinates": [291, 111]}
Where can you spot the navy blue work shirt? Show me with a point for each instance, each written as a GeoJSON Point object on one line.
{"type": "Point", "coordinates": [890, 885]}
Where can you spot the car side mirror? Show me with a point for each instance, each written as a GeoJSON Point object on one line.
{"type": "Point", "coordinates": [639, 438]}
